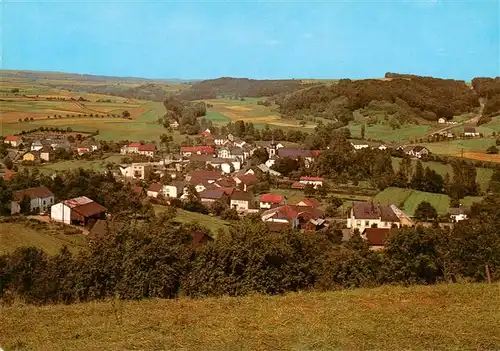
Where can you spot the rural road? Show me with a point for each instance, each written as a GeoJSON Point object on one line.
{"type": "Point", "coordinates": [473, 120]}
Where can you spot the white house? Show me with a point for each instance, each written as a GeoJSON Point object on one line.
{"type": "Point", "coordinates": [40, 198]}
{"type": "Point", "coordinates": [286, 216]}
{"type": "Point", "coordinates": [457, 214]}
{"type": "Point", "coordinates": [175, 190]}
{"type": "Point", "coordinates": [224, 153]}
{"type": "Point", "coordinates": [442, 121]}
{"type": "Point", "coordinates": [13, 140]}
{"type": "Point", "coordinates": [359, 145]}
{"type": "Point", "coordinates": [416, 151]}
{"type": "Point", "coordinates": [315, 181]}
{"type": "Point", "coordinates": [271, 200]}
{"type": "Point", "coordinates": [241, 200]}
{"type": "Point", "coordinates": [154, 190]}
{"type": "Point", "coordinates": [470, 132]}
{"type": "Point", "coordinates": [369, 215]}
{"type": "Point", "coordinates": [36, 145]}
{"type": "Point", "coordinates": [79, 210]}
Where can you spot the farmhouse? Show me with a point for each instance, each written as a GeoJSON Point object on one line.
{"type": "Point", "coordinates": [416, 151]}
{"type": "Point", "coordinates": [442, 121]}
{"type": "Point", "coordinates": [212, 195]}
{"type": "Point", "coordinates": [241, 201]}
{"type": "Point", "coordinates": [369, 215]}
{"type": "Point", "coordinates": [457, 214]}
{"type": "Point", "coordinates": [138, 148]}
{"type": "Point", "coordinates": [46, 153]}
{"type": "Point", "coordinates": [358, 145]}
{"type": "Point", "coordinates": [282, 217]}
{"type": "Point", "coordinates": [79, 210]}
{"type": "Point", "coordinates": [31, 156]}
{"type": "Point", "coordinates": [82, 150]}
{"type": "Point", "coordinates": [244, 182]}
{"type": "Point", "coordinates": [13, 140]}
{"type": "Point", "coordinates": [309, 202]}
{"type": "Point", "coordinates": [36, 145]}
{"type": "Point", "coordinates": [271, 200]}
{"type": "Point", "coordinates": [470, 132]}
{"type": "Point", "coordinates": [40, 198]}
{"type": "Point", "coordinates": [190, 150]}
{"type": "Point", "coordinates": [155, 189]}
{"type": "Point", "coordinates": [174, 124]}
{"type": "Point", "coordinates": [314, 181]}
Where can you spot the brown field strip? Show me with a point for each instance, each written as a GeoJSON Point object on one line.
{"type": "Point", "coordinates": [481, 157]}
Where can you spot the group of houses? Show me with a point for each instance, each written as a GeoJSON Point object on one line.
{"type": "Point", "coordinates": [43, 149]}
{"type": "Point", "coordinates": [40, 200]}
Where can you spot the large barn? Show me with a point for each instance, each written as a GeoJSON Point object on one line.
{"type": "Point", "coordinates": [79, 210]}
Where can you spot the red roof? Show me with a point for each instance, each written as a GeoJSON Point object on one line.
{"type": "Point", "coordinates": [272, 198]}
{"type": "Point", "coordinates": [298, 185]}
{"type": "Point", "coordinates": [315, 153]}
{"type": "Point", "coordinates": [206, 149]}
{"type": "Point", "coordinates": [248, 179]}
{"type": "Point", "coordinates": [147, 147]}
{"type": "Point", "coordinates": [205, 175]}
{"type": "Point", "coordinates": [310, 202]}
{"type": "Point", "coordinates": [313, 179]}
{"type": "Point", "coordinates": [12, 138]}
{"type": "Point", "coordinates": [134, 144]}
{"type": "Point", "coordinates": [376, 236]}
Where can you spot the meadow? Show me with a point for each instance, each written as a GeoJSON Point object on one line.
{"type": "Point", "coordinates": [483, 176]}
{"type": "Point", "coordinates": [408, 200]}
{"type": "Point", "coordinates": [214, 224]}
{"type": "Point", "coordinates": [385, 133]}
{"type": "Point", "coordinates": [438, 317]}
{"type": "Point", "coordinates": [455, 147]}
{"type": "Point", "coordinates": [47, 237]}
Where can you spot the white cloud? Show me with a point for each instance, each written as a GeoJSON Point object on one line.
{"type": "Point", "coordinates": [272, 42]}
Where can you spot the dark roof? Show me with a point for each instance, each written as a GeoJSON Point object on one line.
{"type": "Point", "coordinates": [456, 211]}
{"type": "Point", "coordinates": [469, 130]}
{"type": "Point", "coordinates": [205, 175]}
{"type": "Point", "coordinates": [156, 187]}
{"type": "Point", "coordinates": [418, 148]}
{"type": "Point", "coordinates": [45, 149]}
{"type": "Point", "coordinates": [376, 236]}
{"type": "Point", "coordinates": [32, 193]}
{"type": "Point", "coordinates": [369, 210]}
{"type": "Point", "coordinates": [180, 185]}
{"type": "Point", "coordinates": [248, 179]}
{"type": "Point", "coordinates": [200, 238]}
{"type": "Point", "coordinates": [201, 158]}
{"type": "Point", "coordinates": [236, 151]}
{"type": "Point", "coordinates": [241, 196]}
{"type": "Point", "coordinates": [89, 209]}
{"type": "Point", "coordinates": [293, 152]}
{"type": "Point", "coordinates": [212, 194]}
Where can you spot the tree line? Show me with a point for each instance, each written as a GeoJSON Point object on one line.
{"type": "Point", "coordinates": [155, 257]}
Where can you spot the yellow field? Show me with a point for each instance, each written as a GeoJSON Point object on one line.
{"type": "Point", "coordinates": [239, 108]}
{"type": "Point", "coordinates": [481, 157]}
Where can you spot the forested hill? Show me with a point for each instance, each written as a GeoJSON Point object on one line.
{"type": "Point", "coordinates": [405, 96]}
{"type": "Point", "coordinates": [488, 89]}
{"type": "Point", "coordinates": [244, 87]}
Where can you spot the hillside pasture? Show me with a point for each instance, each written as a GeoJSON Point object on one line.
{"type": "Point", "coordinates": [436, 317]}
{"type": "Point", "coordinates": [409, 199]}
{"type": "Point", "coordinates": [455, 147]}
{"type": "Point", "coordinates": [483, 176]}
{"type": "Point", "coordinates": [385, 133]}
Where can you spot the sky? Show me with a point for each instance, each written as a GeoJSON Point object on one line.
{"type": "Point", "coordinates": [265, 40]}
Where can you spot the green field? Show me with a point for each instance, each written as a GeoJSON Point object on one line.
{"type": "Point", "coordinates": [483, 174]}
{"type": "Point", "coordinates": [95, 165]}
{"type": "Point", "coordinates": [214, 224]}
{"type": "Point", "coordinates": [408, 200]}
{"type": "Point", "coordinates": [217, 117]}
{"type": "Point", "coordinates": [438, 317]}
{"type": "Point", "coordinates": [385, 133]}
{"type": "Point", "coordinates": [45, 236]}
{"type": "Point", "coordinates": [455, 147]}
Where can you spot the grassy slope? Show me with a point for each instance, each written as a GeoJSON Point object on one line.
{"type": "Point", "coordinates": [460, 316]}
{"type": "Point", "coordinates": [408, 199]}
{"type": "Point", "coordinates": [15, 235]}
{"type": "Point", "coordinates": [483, 174]}
{"type": "Point", "coordinates": [212, 223]}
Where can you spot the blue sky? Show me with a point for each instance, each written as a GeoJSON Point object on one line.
{"type": "Point", "coordinates": [288, 39]}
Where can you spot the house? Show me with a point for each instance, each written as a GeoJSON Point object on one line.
{"type": "Point", "coordinates": [241, 200]}
{"type": "Point", "coordinates": [219, 140]}
{"type": "Point", "coordinates": [82, 150]}
{"type": "Point", "coordinates": [40, 197]}
{"type": "Point", "coordinates": [379, 146]}
{"type": "Point", "coordinates": [265, 169]}
{"type": "Point", "coordinates": [376, 237]}
{"type": "Point", "coordinates": [93, 145]}
{"type": "Point", "coordinates": [280, 218]}
{"type": "Point", "coordinates": [358, 145]}
{"type": "Point", "coordinates": [442, 121]}
{"type": "Point", "coordinates": [237, 153]}
{"type": "Point", "coordinates": [211, 195]}
{"type": "Point", "coordinates": [131, 148]}
{"type": "Point", "coordinates": [175, 189]}
{"type": "Point", "coordinates": [308, 202]}
{"type": "Point", "coordinates": [457, 214]}
{"type": "Point", "coordinates": [190, 150]}
{"type": "Point", "coordinates": [208, 176]}
{"type": "Point", "coordinates": [309, 218]}
{"type": "Point", "coordinates": [244, 182]}
{"type": "Point", "coordinates": [31, 156]}
{"type": "Point", "coordinates": [206, 132]}
{"type": "Point", "coordinates": [59, 144]}
{"type": "Point", "coordinates": [224, 153]}
{"type": "Point", "coordinates": [298, 186]}
{"type": "Point", "coordinates": [79, 210]}
{"type": "Point", "coordinates": [147, 150]}
{"type": "Point", "coordinates": [46, 153]}
{"type": "Point", "coordinates": [154, 190]}
{"type": "Point", "coordinates": [199, 239]}
{"type": "Point", "coordinates": [271, 200]}
{"type": "Point", "coordinates": [416, 151]}
{"type": "Point", "coordinates": [174, 124]}
{"type": "Point", "coordinates": [225, 165]}
{"type": "Point", "coordinates": [13, 140]}
{"type": "Point", "coordinates": [370, 215]}
{"type": "Point", "coordinates": [470, 132]}
{"type": "Point", "coordinates": [314, 181]}
{"type": "Point", "coordinates": [36, 145]}
{"type": "Point", "coordinates": [135, 170]}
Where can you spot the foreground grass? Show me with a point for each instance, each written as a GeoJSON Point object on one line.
{"type": "Point", "coordinates": [460, 316]}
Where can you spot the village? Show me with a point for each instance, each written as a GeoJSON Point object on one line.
{"type": "Point", "coordinates": [221, 173]}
